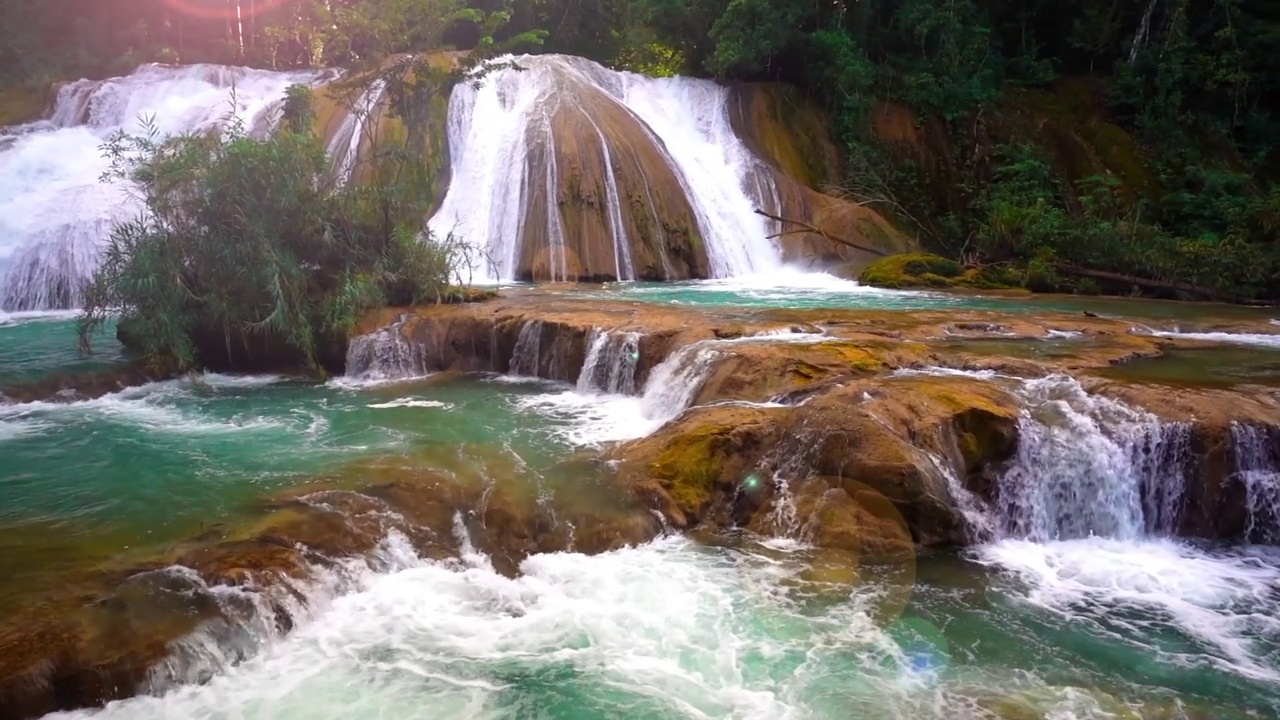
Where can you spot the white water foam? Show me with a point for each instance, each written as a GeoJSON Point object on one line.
{"type": "Point", "coordinates": [1094, 487]}
{"type": "Point", "coordinates": [1088, 465]}
{"type": "Point", "coordinates": [662, 630]}
{"type": "Point", "coordinates": [1225, 601]}
{"type": "Point", "coordinates": [55, 213]}
{"type": "Point", "coordinates": [12, 428]}
{"type": "Point", "coordinates": [382, 357]}
{"type": "Point", "coordinates": [492, 129]}
{"type": "Point", "coordinates": [1258, 339]}
{"type": "Point", "coordinates": [31, 316]}
{"type": "Point", "coordinates": [593, 418]}
{"type": "Point", "coordinates": [410, 403]}
{"type": "Point", "coordinates": [152, 406]}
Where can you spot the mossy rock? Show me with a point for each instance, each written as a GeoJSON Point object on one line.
{"type": "Point", "coordinates": [20, 105]}
{"type": "Point", "coordinates": [924, 270]}
{"type": "Point", "coordinates": [912, 270]}
{"type": "Point", "coordinates": [690, 466]}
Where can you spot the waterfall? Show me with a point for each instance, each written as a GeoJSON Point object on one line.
{"type": "Point", "coordinates": [1090, 466]}
{"type": "Point", "coordinates": [610, 365]}
{"type": "Point", "coordinates": [494, 127]}
{"type": "Point", "coordinates": [1257, 464]}
{"type": "Point", "coordinates": [55, 214]}
{"type": "Point", "coordinates": [528, 350]}
{"type": "Point", "coordinates": [344, 147]}
{"type": "Point", "coordinates": [674, 384]}
{"type": "Point", "coordinates": [384, 356]}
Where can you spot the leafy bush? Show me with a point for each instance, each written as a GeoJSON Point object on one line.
{"type": "Point", "coordinates": [247, 246]}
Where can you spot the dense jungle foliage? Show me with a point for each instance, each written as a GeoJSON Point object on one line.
{"type": "Point", "coordinates": [1111, 145]}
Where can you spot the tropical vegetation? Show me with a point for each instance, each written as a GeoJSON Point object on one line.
{"type": "Point", "coordinates": [1101, 145]}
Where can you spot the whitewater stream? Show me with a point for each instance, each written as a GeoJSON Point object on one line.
{"type": "Point", "coordinates": [1075, 609]}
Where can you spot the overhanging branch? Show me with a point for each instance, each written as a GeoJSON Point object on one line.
{"type": "Point", "coordinates": [804, 227]}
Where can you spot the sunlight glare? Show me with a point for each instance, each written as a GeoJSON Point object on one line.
{"type": "Point", "coordinates": [223, 9]}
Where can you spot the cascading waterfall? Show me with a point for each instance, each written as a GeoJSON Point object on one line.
{"type": "Point", "coordinates": [494, 127]}
{"type": "Point", "coordinates": [54, 211]}
{"type": "Point", "coordinates": [344, 146]}
{"type": "Point", "coordinates": [1257, 461]}
{"type": "Point", "coordinates": [674, 383]}
{"type": "Point", "coordinates": [528, 350]}
{"type": "Point", "coordinates": [1090, 466]}
{"type": "Point", "coordinates": [610, 365]}
{"type": "Point", "coordinates": [384, 356]}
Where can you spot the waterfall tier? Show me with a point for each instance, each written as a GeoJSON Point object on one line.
{"type": "Point", "coordinates": [1090, 466]}
{"type": "Point", "coordinates": [55, 213]}
{"type": "Point", "coordinates": [564, 170]}
{"type": "Point", "coordinates": [1257, 464]}
{"type": "Point", "coordinates": [558, 169]}
{"type": "Point", "coordinates": [610, 365]}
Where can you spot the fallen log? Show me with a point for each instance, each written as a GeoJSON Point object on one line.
{"type": "Point", "coordinates": [1148, 282]}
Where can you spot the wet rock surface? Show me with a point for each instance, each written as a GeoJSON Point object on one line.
{"type": "Point", "coordinates": [862, 434]}
{"type": "Point", "coordinates": [202, 605]}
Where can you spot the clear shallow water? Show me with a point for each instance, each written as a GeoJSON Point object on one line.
{"type": "Point", "coordinates": [677, 628]}
{"type": "Point", "coordinates": [1221, 366]}
{"type": "Point", "coordinates": [207, 448]}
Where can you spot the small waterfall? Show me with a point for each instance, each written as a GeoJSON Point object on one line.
{"type": "Point", "coordinates": [55, 214]}
{"type": "Point", "coordinates": [978, 522]}
{"type": "Point", "coordinates": [675, 382]}
{"type": "Point", "coordinates": [344, 147]}
{"type": "Point", "coordinates": [1257, 461]}
{"type": "Point", "coordinates": [528, 350]}
{"type": "Point", "coordinates": [494, 128]}
{"type": "Point", "coordinates": [384, 356]}
{"type": "Point", "coordinates": [610, 365]}
{"type": "Point", "coordinates": [1090, 466]}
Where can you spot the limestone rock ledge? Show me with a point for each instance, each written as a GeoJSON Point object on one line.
{"type": "Point", "coordinates": [836, 414]}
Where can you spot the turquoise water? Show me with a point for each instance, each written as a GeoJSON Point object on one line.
{"type": "Point", "coordinates": [679, 629]}
{"type": "Point", "coordinates": [35, 345]}
{"type": "Point", "coordinates": [720, 627]}
{"type": "Point", "coordinates": [1220, 366]}
{"type": "Point", "coordinates": [810, 291]}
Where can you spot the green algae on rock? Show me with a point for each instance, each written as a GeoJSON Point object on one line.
{"type": "Point", "coordinates": [923, 270]}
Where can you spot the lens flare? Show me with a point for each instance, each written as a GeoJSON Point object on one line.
{"type": "Point", "coordinates": [223, 9]}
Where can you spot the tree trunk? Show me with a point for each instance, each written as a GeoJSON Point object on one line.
{"type": "Point", "coordinates": [1147, 282]}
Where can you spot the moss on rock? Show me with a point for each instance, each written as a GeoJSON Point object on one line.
{"type": "Point", "coordinates": [925, 270]}
{"type": "Point", "coordinates": [20, 105]}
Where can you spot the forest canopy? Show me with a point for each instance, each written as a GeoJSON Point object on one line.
{"type": "Point", "coordinates": [1075, 142]}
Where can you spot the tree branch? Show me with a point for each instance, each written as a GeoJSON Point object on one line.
{"type": "Point", "coordinates": [805, 227]}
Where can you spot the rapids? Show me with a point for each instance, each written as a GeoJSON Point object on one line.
{"type": "Point", "coordinates": [1076, 609]}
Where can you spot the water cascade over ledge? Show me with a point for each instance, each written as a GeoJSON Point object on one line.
{"type": "Point", "coordinates": [55, 213]}
{"type": "Point", "coordinates": [548, 159]}
{"type": "Point", "coordinates": [1091, 466]}
{"type": "Point", "coordinates": [1257, 464]}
